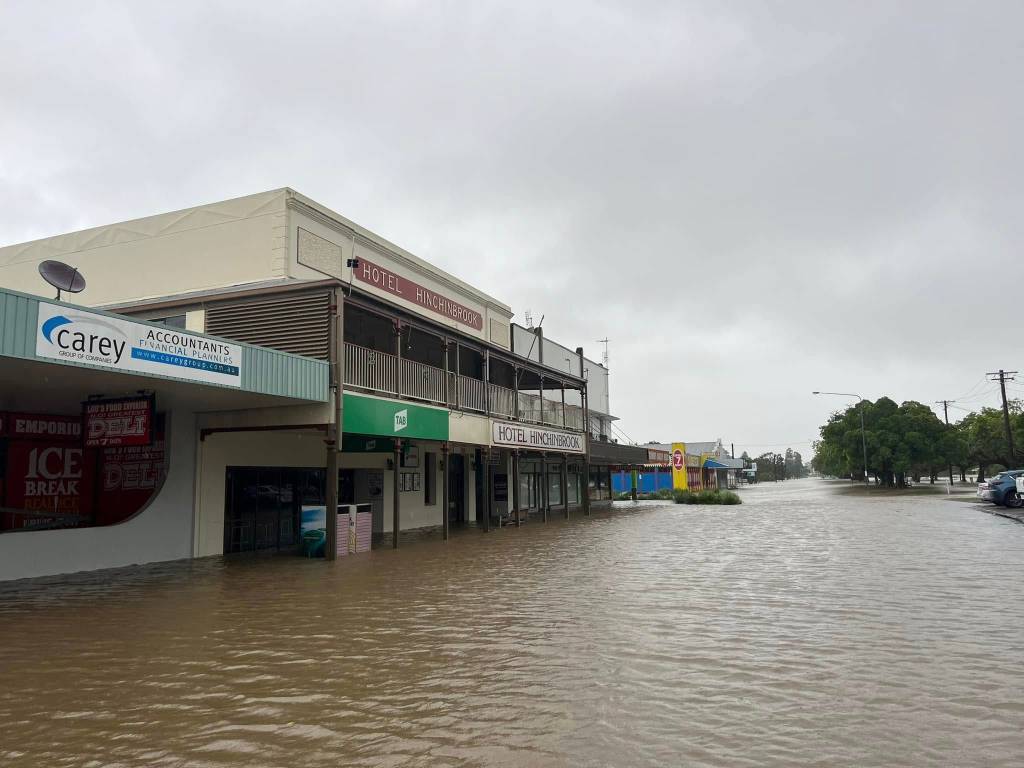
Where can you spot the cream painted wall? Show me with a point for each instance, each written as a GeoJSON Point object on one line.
{"type": "Point", "coordinates": [414, 511]}
{"type": "Point", "coordinates": [242, 449]}
{"type": "Point", "coordinates": [417, 271]}
{"type": "Point", "coordinates": [226, 243]}
{"type": "Point", "coordinates": [467, 428]}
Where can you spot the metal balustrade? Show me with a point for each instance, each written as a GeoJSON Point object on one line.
{"type": "Point", "coordinates": [529, 408]}
{"type": "Point", "coordinates": [553, 413]}
{"type": "Point", "coordinates": [501, 400]}
{"type": "Point", "coordinates": [472, 394]}
{"type": "Point", "coordinates": [423, 382]}
{"type": "Point", "coordinates": [376, 371]}
{"type": "Point", "coordinates": [574, 417]}
{"type": "Point", "coordinates": [369, 369]}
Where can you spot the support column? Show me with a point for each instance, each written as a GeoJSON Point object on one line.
{"type": "Point", "coordinates": [398, 358]}
{"type": "Point", "coordinates": [544, 488]}
{"type": "Point", "coordinates": [331, 545]}
{"type": "Point", "coordinates": [458, 375]}
{"type": "Point", "coordinates": [542, 400]}
{"type": "Point", "coordinates": [515, 393]}
{"type": "Point", "coordinates": [444, 491]}
{"type": "Point", "coordinates": [336, 345]}
{"type": "Point", "coordinates": [396, 491]}
{"type": "Point", "coordinates": [565, 482]}
{"type": "Point", "coordinates": [586, 456]}
{"type": "Point", "coordinates": [515, 486]}
{"type": "Point", "coordinates": [447, 380]}
{"type": "Point", "coordinates": [487, 381]}
{"type": "Point", "coordinates": [485, 460]}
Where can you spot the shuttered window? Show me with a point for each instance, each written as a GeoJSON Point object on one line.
{"type": "Point", "coordinates": [296, 323]}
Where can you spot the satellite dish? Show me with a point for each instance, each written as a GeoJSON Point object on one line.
{"type": "Point", "coordinates": [62, 276]}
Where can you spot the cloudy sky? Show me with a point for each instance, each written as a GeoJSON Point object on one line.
{"type": "Point", "coordinates": [751, 200]}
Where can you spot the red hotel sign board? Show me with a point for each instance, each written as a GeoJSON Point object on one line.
{"type": "Point", "coordinates": [126, 421]}
{"type": "Point", "coordinates": [375, 275]}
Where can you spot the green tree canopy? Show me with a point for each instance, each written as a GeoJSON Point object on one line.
{"type": "Point", "coordinates": [905, 440]}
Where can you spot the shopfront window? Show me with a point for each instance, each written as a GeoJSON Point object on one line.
{"type": "Point", "coordinates": [272, 508]}
{"type": "Point", "coordinates": [600, 483]}
{"type": "Point", "coordinates": [554, 485]}
{"type": "Point", "coordinates": [53, 478]}
{"type": "Point", "coordinates": [573, 489]}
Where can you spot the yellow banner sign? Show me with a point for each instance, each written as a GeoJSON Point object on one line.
{"type": "Point", "coordinates": [679, 466]}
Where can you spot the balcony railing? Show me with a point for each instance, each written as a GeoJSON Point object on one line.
{"type": "Point", "coordinates": [472, 394]}
{"type": "Point", "coordinates": [502, 400]}
{"type": "Point", "coordinates": [423, 382]}
{"type": "Point", "coordinates": [370, 369]}
{"type": "Point", "coordinates": [382, 372]}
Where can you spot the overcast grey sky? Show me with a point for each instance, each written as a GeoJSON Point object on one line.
{"type": "Point", "coordinates": [752, 200]}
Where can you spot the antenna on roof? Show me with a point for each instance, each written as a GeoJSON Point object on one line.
{"type": "Point", "coordinates": [528, 317]}
{"type": "Point", "coordinates": [62, 276]}
{"type": "Point", "coordinates": [604, 357]}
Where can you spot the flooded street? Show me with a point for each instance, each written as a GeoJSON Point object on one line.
{"type": "Point", "coordinates": [809, 626]}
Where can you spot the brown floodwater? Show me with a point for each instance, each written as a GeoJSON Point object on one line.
{"type": "Point", "coordinates": [807, 627]}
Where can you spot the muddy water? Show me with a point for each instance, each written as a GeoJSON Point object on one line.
{"type": "Point", "coordinates": [806, 627]}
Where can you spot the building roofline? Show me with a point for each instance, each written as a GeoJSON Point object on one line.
{"type": "Point", "coordinates": [372, 239]}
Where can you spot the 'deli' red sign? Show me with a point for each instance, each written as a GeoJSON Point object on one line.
{"type": "Point", "coordinates": [124, 421]}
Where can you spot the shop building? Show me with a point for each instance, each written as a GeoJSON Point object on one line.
{"type": "Point", "coordinates": [438, 410]}
{"type": "Point", "coordinates": [100, 419]}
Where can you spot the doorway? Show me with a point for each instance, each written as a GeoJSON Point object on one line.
{"type": "Point", "coordinates": [262, 507]}
{"type": "Point", "coordinates": [456, 489]}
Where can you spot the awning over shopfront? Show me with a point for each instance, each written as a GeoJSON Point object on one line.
{"type": "Point", "coordinates": [617, 454]}
{"type": "Point", "coordinates": [104, 353]}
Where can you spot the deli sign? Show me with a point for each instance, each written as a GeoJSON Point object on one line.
{"type": "Point", "coordinates": [521, 436]}
{"type": "Point", "coordinates": [120, 422]}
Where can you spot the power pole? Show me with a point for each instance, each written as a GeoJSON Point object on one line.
{"type": "Point", "coordinates": [945, 415]}
{"type": "Point", "coordinates": [1005, 376]}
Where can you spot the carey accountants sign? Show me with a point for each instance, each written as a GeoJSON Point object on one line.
{"type": "Point", "coordinates": [517, 435]}
{"type": "Point", "coordinates": [396, 285]}
{"type": "Point", "coordinates": [77, 336]}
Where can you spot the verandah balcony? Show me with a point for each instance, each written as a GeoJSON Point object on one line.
{"type": "Point", "coordinates": [378, 372]}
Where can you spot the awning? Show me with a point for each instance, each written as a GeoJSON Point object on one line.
{"type": "Point", "coordinates": [712, 464]}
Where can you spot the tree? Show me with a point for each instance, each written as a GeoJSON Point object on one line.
{"type": "Point", "coordinates": [771, 466]}
{"type": "Point", "coordinates": [981, 437]}
{"type": "Point", "coordinates": [903, 441]}
{"type": "Point", "coordinates": [795, 464]}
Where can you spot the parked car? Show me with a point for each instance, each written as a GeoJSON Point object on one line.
{"type": "Point", "coordinates": [1002, 489]}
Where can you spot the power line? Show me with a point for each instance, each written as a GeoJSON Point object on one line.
{"type": "Point", "coordinates": [983, 380]}
{"type": "Point", "coordinates": [1003, 377]}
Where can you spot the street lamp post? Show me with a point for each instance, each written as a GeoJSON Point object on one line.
{"type": "Point", "coordinates": [863, 433]}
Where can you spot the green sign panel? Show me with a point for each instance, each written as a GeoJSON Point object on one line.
{"type": "Point", "coordinates": [389, 418]}
{"type": "Point", "coordinates": [366, 444]}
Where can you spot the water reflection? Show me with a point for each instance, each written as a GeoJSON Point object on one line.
{"type": "Point", "coordinates": [804, 627]}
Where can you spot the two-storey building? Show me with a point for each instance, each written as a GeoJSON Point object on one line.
{"type": "Point", "coordinates": [441, 411]}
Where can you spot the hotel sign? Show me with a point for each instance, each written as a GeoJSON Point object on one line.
{"type": "Point", "coordinates": [77, 336]}
{"type": "Point", "coordinates": [387, 281]}
{"type": "Point", "coordinates": [538, 438]}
